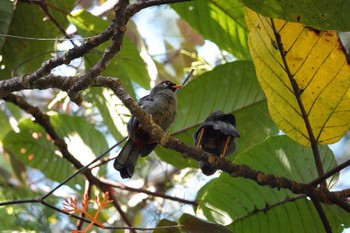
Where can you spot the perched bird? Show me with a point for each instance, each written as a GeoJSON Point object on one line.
{"type": "Point", "coordinates": [161, 104]}
{"type": "Point", "coordinates": [216, 136]}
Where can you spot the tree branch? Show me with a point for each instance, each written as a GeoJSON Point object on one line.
{"type": "Point", "coordinates": [43, 120]}
{"type": "Point", "coordinates": [140, 5]}
{"type": "Point", "coordinates": [119, 29]}
{"type": "Point", "coordinates": [320, 212]}
{"type": "Point", "coordinates": [63, 83]}
{"type": "Point", "coordinates": [330, 173]}
{"type": "Point", "coordinates": [140, 190]}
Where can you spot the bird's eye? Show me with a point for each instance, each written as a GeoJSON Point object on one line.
{"type": "Point", "coordinates": [166, 83]}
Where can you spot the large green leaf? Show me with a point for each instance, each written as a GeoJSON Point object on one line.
{"type": "Point", "coordinates": [33, 147]}
{"type": "Point", "coordinates": [219, 21]}
{"type": "Point", "coordinates": [297, 216]}
{"type": "Point", "coordinates": [21, 56]}
{"type": "Point", "coordinates": [127, 65]}
{"type": "Point", "coordinates": [232, 88]}
{"type": "Point", "coordinates": [321, 14]}
{"type": "Point", "coordinates": [229, 87]}
{"type": "Point", "coordinates": [68, 126]}
{"type": "Point", "coordinates": [236, 200]}
{"type": "Point", "coordinates": [6, 13]}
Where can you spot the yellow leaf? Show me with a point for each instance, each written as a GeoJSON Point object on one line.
{"type": "Point", "coordinates": [305, 76]}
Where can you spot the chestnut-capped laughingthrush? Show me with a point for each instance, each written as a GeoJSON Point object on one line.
{"type": "Point", "coordinates": [216, 136]}
{"type": "Point", "coordinates": [161, 104]}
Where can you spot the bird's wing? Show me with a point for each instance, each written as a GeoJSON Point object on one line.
{"type": "Point", "coordinates": [226, 128]}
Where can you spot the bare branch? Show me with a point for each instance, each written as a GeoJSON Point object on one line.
{"type": "Point", "coordinates": [140, 190]}
{"type": "Point", "coordinates": [330, 173]}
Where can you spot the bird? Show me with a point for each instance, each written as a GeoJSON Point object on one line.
{"type": "Point", "coordinates": [216, 136]}
{"type": "Point", "coordinates": [161, 104]}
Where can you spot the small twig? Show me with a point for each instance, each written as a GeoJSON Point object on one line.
{"type": "Point", "coordinates": [269, 207]}
{"type": "Point", "coordinates": [44, 8]}
{"type": "Point", "coordinates": [185, 81]}
{"type": "Point", "coordinates": [140, 5]}
{"type": "Point", "coordinates": [330, 173]}
{"type": "Point", "coordinates": [155, 194]}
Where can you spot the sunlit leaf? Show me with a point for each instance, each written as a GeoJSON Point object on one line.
{"type": "Point", "coordinates": [305, 76]}
{"type": "Point", "coordinates": [111, 111]}
{"type": "Point", "coordinates": [219, 21]}
{"type": "Point", "coordinates": [34, 147]}
{"type": "Point", "coordinates": [236, 200]}
{"type": "Point", "coordinates": [322, 14]}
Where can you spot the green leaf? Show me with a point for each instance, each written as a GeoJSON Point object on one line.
{"type": "Point", "coordinates": [6, 13]}
{"type": "Point", "coordinates": [127, 65]}
{"type": "Point", "coordinates": [227, 199]}
{"type": "Point", "coordinates": [232, 88]}
{"type": "Point", "coordinates": [219, 21]}
{"type": "Point", "coordinates": [321, 14]}
{"type": "Point", "coordinates": [165, 223]}
{"type": "Point", "coordinates": [69, 126]}
{"type": "Point", "coordinates": [254, 125]}
{"type": "Point", "coordinates": [21, 56]}
{"type": "Point", "coordinates": [296, 216]}
{"type": "Point", "coordinates": [191, 224]}
{"type": "Point", "coordinates": [110, 110]}
{"type": "Point", "coordinates": [33, 147]}
{"type": "Point", "coordinates": [229, 87]}
{"type": "Point", "coordinates": [281, 156]}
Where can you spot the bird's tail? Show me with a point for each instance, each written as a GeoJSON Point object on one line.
{"type": "Point", "coordinates": [126, 161]}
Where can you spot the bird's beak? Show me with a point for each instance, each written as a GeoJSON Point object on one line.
{"type": "Point", "coordinates": [176, 86]}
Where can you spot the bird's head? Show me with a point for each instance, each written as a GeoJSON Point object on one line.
{"type": "Point", "coordinates": [166, 85]}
